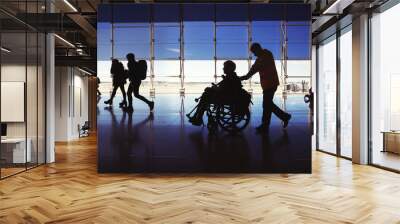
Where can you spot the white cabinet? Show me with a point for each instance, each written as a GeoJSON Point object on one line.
{"type": "Point", "coordinates": [17, 147]}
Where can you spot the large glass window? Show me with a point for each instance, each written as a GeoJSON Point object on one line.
{"type": "Point", "coordinates": [385, 89]}
{"type": "Point", "coordinates": [327, 95]}
{"type": "Point", "coordinates": [199, 40]}
{"type": "Point", "coordinates": [268, 34]}
{"type": "Point", "coordinates": [132, 38]}
{"type": "Point", "coordinates": [186, 44]}
{"type": "Point", "coordinates": [346, 92]}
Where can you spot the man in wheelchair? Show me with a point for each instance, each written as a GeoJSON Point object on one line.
{"type": "Point", "coordinates": [224, 92]}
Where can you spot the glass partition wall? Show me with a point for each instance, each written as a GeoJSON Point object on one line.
{"type": "Point", "coordinates": [334, 94]}
{"type": "Point", "coordinates": [22, 88]}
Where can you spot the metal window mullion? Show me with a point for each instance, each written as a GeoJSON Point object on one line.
{"type": "Point", "coordinates": [369, 79]}
{"type": "Point", "coordinates": [284, 61]}
{"type": "Point", "coordinates": [316, 91]}
{"type": "Point", "coordinates": [249, 42]}
{"type": "Point", "coordinates": [26, 88]}
{"type": "Point", "coordinates": [152, 90]}
{"type": "Point", "coordinates": [37, 95]}
{"type": "Point", "coordinates": [338, 95]}
{"type": "Point", "coordinates": [45, 90]}
{"type": "Point", "coordinates": [181, 51]}
{"type": "Point", "coordinates": [112, 32]}
{"type": "Point", "coordinates": [215, 43]}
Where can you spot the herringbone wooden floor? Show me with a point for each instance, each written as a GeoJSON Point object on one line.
{"type": "Point", "coordinates": [71, 191]}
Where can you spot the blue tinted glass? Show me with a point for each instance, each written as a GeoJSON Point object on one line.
{"type": "Point", "coordinates": [166, 51]}
{"type": "Point", "coordinates": [299, 34]}
{"type": "Point", "coordinates": [198, 32]}
{"type": "Point", "coordinates": [232, 34]}
{"type": "Point", "coordinates": [104, 33]}
{"type": "Point", "coordinates": [299, 51]}
{"type": "Point", "coordinates": [198, 36]}
{"type": "Point", "coordinates": [132, 35]}
{"type": "Point", "coordinates": [166, 34]}
{"type": "Point", "coordinates": [232, 51]}
{"type": "Point", "coordinates": [104, 52]}
{"type": "Point", "coordinates": [203, 51]}
{"type": "Point", "coordinates": [266, 31]}
{"type": "Point", "coordinates": [141, 51]}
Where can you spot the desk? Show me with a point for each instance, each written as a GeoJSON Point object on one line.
{"type": "Point", "coordinates": [15, 148]}
{"type": "Point", "coordinates": [391, 141]}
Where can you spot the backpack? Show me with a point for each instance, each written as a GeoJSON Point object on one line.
{"type": "Point", "coordinates": [141, 70]}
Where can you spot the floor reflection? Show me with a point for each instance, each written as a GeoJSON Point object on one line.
{"type": "Point", "coordinates": [166, 142]}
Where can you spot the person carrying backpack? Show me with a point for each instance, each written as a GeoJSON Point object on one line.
{"type": "Point", "coordinates": [137, 71]}
{"type": "Point", "coordinates": [118, 82]}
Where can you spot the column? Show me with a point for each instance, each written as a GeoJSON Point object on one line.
{"type": "Point", "coordinates": [360, 90]}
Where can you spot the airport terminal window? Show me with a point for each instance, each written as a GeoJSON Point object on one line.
{"type": "Point", "coordinates": [298, 34]}
{"type": "Point", "coordinates": [221, 31]}
{"type": "Point", "coordinates": [268, 34]}
{"type": "Point", "coordinates": [167, 64]}
{"type": "Point", "coordinates": [385, 89]}
{"type": "Point", "coordinates": [232, 41]}
{"type": "Point", "coordinates": [127, 38]}
{"type": "Point", "coordinates": [104, 49]}
{"type": "Point", "coordinates": [199, 65]}
{"type": "Point", "coordinates": [198, 35]}
{"type": "Point", "coordinates": [327, 96]}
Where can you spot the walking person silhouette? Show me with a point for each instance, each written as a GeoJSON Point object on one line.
{"type": "Point", "coordinates": [118, 81]}
{"type": "Point", "coordinates": [136, 72]}
{"type": "Point", "coordinates": [265, 66]}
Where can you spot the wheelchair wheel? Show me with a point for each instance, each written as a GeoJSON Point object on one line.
{"type": "Point", "coordinates": [231, 122]}
{"type": "Point", "coordinates": [212, 124]}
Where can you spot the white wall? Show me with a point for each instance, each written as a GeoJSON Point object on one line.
{"type": "Point", "coordinates": [71, 102]}
{"type": "Point", "coordinates": [17, 73]}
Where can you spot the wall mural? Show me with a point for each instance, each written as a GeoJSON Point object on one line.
{"type": "Point", "coordinates": [214, 87]}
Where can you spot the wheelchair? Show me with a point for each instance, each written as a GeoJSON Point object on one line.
{"type": "Point", "coordinates": [231, 115]}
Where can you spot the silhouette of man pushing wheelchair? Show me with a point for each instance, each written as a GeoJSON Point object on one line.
{"type": "Point", "coordinates": [226, 103]}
